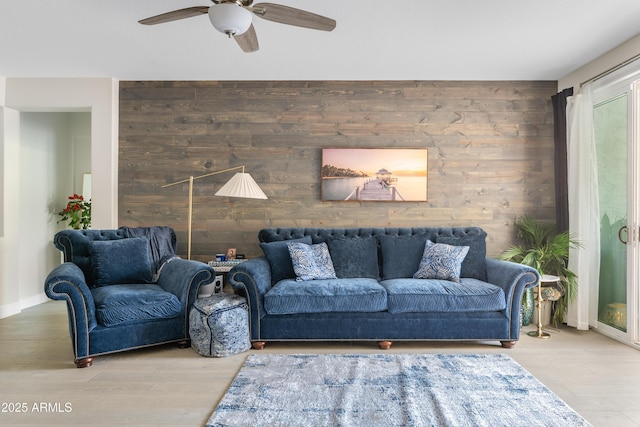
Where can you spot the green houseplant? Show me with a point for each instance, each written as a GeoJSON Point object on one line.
{"type": "Point", "coordinates": [77, 213]}
{"type": "Point", "coordinates": [540, 246]}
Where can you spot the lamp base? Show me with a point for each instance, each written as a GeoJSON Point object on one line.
{"type": "Point", "coordinates": [538, 334]}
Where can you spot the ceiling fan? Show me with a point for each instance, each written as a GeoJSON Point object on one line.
{"type": "Point", "coordinates": [233, 18]}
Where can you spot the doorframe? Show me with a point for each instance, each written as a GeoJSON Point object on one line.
{"type": "Point", "coordinates": [627, 81]}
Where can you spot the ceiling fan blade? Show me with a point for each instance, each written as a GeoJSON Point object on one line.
{"type": "Point", "coordinates": [248, 41]}
{"type": "Point", "coordinates": [175, 15]}
{"type": "Point", "coordinates": [291, 16]}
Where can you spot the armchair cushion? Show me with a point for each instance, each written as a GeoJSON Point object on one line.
{"type": "Point", "coordinates": [126, 303]}
{"type": "Point", "coordinates": [121, 261]}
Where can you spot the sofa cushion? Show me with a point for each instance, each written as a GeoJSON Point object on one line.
{"type": "Point", "coordinates": [401, 255]}
{"type": "Point", "coordinates": [355, 257]}
{"type": "Point", "coordinates": [277, 253]}
{"type": "Point", "coordinates": [440, 261]}
{"type": "Point", "coordinates": [475, 263]}
{"type": "Point", "coordinates": [126, 303]}
{"type": "Point", "coordinates": [311, 262]}
{"type": "Point", "coordinates": [420, 295]}
{"type": "Point", "coordinates": [121, 261]}
{"type": "Point", "coordinates": [322, 296]}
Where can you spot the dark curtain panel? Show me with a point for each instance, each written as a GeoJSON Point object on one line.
{"type": "Point", "coordinates": [559, 102]}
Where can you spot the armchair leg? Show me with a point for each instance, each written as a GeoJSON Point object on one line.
{"type": "Point", "coordinates": [384, 345]}
{"type": "Point", "coordinates": [507, 344]}
{"type": "Point", "coordinates": [184, 344]}
{"type": "Point", "coordinates": [84, 363]}
{"type": "Point", "coordinates": [258, 345]}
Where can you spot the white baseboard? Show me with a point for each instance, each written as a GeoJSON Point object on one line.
{"type": "Point", "coordinates": [9, 309]}
{"type": "Point", "coordinates": [16, 307]}
{"type": "Point", "coordinates": [34, 300]}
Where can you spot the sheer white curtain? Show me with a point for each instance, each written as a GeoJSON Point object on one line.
{"type": "Point", "coordinates": [584, 216]}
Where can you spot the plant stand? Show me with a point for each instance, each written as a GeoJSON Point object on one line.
{"type": "Point", "coordinates": [538, 333]}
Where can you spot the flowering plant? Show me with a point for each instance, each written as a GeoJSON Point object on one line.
{"type": "Point", "coordinates": [77, 212]}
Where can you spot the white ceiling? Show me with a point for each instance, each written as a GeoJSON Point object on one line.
{"type": "Point", "coordinates": [373, 40]}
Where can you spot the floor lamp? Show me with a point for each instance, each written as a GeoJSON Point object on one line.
{"type": "Point", "coordinates": [240, 185]}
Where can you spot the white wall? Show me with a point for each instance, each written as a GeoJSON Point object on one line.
{"type": "Point", "coordinates": [79, 125]}
{"type": "Point", "coordinates": [55, 152]}
{"type": "Point", "coordinates": [100, 96]}
{"type": "Point", "coordinates": [3, 83]}
{"type": "Point", "coordinates": [44, 156]}
{"type": "Point", "coordinates": [20, 286]}
{"type": "Point", "coordinates": [9, 240]}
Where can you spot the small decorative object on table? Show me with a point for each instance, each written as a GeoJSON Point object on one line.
{"type": "Point", "coordinates": [214, 287]}
{"type": "Point", "coordinates": [225, 266]}
{"type": "Point", "coordinates": [219, 325]}
{"type": "Point", "coordinates": [222, 268]}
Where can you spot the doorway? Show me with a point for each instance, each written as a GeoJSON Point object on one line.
{"type": "Point", "coordinates": [54, 154]}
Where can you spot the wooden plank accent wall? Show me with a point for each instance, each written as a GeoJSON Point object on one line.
{"type": "Point", "coordinates": [490, 154]}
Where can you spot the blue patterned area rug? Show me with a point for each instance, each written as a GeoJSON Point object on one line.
{"type": "Point", "coordinates": [389, 390]}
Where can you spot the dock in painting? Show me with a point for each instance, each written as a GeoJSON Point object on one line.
{"type": "Point", "coordinates": [375, 189]}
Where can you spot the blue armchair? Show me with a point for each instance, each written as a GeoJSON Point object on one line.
{"type": "Point", "coordinates": [124, 289]}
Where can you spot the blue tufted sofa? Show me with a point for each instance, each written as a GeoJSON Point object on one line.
{"type": "Point", "coordinates": [374, 296]}
{"type": "Point", "coordinates": [124, 289]}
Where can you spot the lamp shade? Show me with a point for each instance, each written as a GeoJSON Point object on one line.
{"type": "Point", "coordinates": [229, 18]}
{"type": "Point", "coordinates": [241, 185]}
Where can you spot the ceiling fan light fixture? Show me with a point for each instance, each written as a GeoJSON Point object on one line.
{"type": "Point", "coordinates": [230, 18]}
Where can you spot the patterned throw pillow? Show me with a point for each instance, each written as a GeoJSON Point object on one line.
{"type": "Point", "coordinates": [277, 253]}
{"type": "Point", "coordinates": [311, 262]}
{"type": "Point", "coordinates": [441, 261]}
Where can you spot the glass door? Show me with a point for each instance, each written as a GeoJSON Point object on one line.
{"type": "Point", "coordinates": [616, 117]}
{"type": "Point", "coordinates": [611, 129]}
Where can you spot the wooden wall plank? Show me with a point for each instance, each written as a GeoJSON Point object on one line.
{"type": "Point", "coordinates": [490, 154]}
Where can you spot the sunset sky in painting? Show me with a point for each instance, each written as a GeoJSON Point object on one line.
{"type": "Point", "coordinates": [397, 161]}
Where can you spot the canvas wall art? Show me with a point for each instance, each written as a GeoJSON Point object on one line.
{"type": "Point", "coordinates": [374, 174]}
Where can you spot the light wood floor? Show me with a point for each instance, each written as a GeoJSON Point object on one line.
{"type": "Point", "coordinates": [165, 385]}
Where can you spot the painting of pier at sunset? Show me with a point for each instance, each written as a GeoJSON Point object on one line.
{"type": "Point", "coordinates": [374, 174]}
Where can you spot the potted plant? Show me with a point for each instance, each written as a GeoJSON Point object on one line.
{"type": "Point", "coordinates": [540, 246]}
{"type": "Point", "coordinates": [77, 213]}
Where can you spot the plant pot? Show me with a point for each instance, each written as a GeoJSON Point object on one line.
{"type": "Point", "coordinates": [527, 307]}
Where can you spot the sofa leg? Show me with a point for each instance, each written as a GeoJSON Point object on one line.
{"type": "Point", "coordinates": [508, 344]}
{"type": "Point", "coordinates": [184, 344]}
{"type": "Point", "coordinates": [384, 345]}
{"type": "Point", "coordinates": [84, 363]}
{"type": "Point", "coordinates": [258, 345]}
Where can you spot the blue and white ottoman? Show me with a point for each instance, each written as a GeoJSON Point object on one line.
{"type": "Point", "coordinates": [219, 325]}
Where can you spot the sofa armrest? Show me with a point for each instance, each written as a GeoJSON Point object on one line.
{"type": "Point", "coordinates": [184, 277]}
{"type": "Point", "coordinates": [252, 279]}
{"type": "Point", "coordinates": [513, 278]}
{"type": "Point", "coordinates": [66, 282]}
